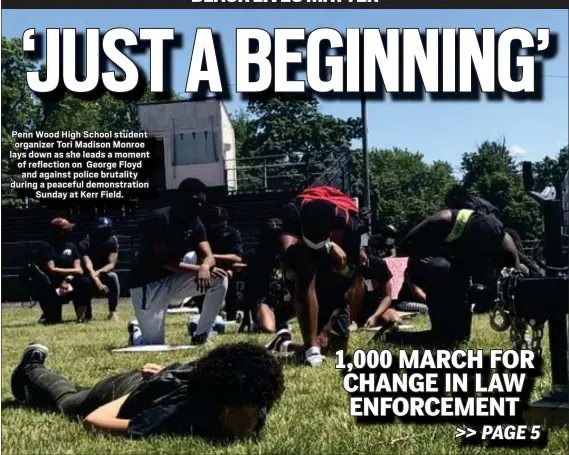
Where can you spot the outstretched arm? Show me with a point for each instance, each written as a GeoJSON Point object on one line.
{"type": "Point", "coordinates": [105, 420]}
{"type": "Point", "coordinates": [511, 257]}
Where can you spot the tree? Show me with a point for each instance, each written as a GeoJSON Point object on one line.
{"type": "Point", "coordinates": [552, 170]}
{"type": "Point", "coordinates": [23, 112]}
{"type": "Point", "coordinates": [492, 174]}
{"type": "Point", "coordinates": [404, 189]}
{"type": "Point", "coordinates": [293, 141]}
{"type": "Point", "coordinates": [19, 111]}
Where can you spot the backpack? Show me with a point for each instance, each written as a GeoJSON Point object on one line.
{"type": "Point", "coordinates": [480, 205]}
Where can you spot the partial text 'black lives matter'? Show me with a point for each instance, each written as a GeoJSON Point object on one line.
{"type": "Point", "coordinates": [78, 167]}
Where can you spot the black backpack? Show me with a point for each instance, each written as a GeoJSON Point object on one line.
{"type": "Point", "coordinates": [478, 205]}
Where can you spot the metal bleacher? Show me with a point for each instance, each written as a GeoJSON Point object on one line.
{"type": "Point", "coordinates": [22, 229]}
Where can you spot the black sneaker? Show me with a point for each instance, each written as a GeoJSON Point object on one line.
{"type": "Point", "coordinates": [33, 354]}
{"type": "Point", "coordinates": [202, 338]}
{"type": "Point", "coordinates": [281, 336]}
{"type": "Point", "coordinates": [134, 332]}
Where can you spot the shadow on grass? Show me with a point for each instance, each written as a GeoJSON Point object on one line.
{"type": "Point", "coordinates": [14, 404]}
{"type": "Point", "coordinates": [35, 324]}
{"type": "Point", "coordinates": [11, 404]}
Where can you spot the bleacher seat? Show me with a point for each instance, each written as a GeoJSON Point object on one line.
{"type": "Point", "coordinates": [21, 229]}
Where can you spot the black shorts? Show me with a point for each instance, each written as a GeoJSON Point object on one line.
{"type": "Point", "coordinates": [341, 327]}
{"type": "Point", "coordinates": [368, 308]}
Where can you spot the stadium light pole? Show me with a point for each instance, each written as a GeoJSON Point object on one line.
{"type": "Point", "coordinates": [367, 195]}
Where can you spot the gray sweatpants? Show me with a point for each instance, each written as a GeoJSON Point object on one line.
{"type": "Point", "coordinates": [150, 304]}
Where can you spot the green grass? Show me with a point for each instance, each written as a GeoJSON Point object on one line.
{"type": "Point", "coordinates": [312, 417]}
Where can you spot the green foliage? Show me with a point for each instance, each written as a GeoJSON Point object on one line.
{"type": "Point", "coordinates": [492, 174]}
{"type": "Point", "coordinates": [286, 142]}
{"type": "Point", "coordinates": [552, 170]}
{"type": "Point", "coordinates": [21, 111]}
{"type": "Point", "coordinates": [291, 141]}
{"type": "Point", "coordinates": [404, 188]}
{"type": "Point", "coordinates": [311, 419]}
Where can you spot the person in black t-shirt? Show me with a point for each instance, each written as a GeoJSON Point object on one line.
{"type": "Point", "coordinates": [60, 276]}
{"type": "Point", "coordinates": [100, 253]}
{"type": "Point", "coordinates": [266, 300]}
{"type": "Point", "coordinates": [376, 307]}
{"type": "Point", "coordinates": [225, 395]}
{"type": "Point", "coordinates": [413, 288]}
{"type": "Point", "coordinates": [459, 244]}
{"type": "Point", "coordinates": [175, 261]}
{"type": "Point", "coordinates": [412, 296]}
{"type": "Point", "coordinates": [320, 250]}
{"type": "Point", "coordinates": [227, 247]}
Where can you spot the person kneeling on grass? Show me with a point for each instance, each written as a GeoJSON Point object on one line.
{"type": "Point", "coordinates": [167, 268]}
{"type": "Point", "coordinates": [320, 251]}
{"type": "Point", "coordinates": [375, 308]}
{"type": "Point", "coordinates": [227, 247]}
{"type": "Point", "coordinates": [100, 253]}
{"type": "Point", "coordinates": [225, 395]}
{"type": "Point", "coordinates": [58, 276]}
{"type": "Point", "coordinates": [455, 245]}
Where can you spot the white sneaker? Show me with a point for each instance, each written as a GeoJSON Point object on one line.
{"type": "Point", "coordinates": [315, 360]}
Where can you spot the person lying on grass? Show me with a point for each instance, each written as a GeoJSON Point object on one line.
{"type": "Point", "coordinates": [225, 395]}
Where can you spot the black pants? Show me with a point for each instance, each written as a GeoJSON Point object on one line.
{"type": "Point", "coordinates": [47, 389]}
{"type": "Point", "coordinates": [257, 282]}
{"type": "Point", "coordinates": [111, 280]}
{"type": "Point", "coordinates": [368, 308]}
{"type": "Point", "coordinates": [449, 310]}
{"type": "Point", "coordinates": [51, 304]}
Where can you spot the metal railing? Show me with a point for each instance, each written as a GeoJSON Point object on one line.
{"type": "Point", "coordinates": [271, 173]}
{"type": "Point", "coordinates": [338, 174]}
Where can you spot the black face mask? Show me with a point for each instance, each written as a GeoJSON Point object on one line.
{"type": "Point", "coordinates": [59, 236]}
{"type": "Point", "coordinates": [101, 235]}
{"type": "Point", "coordinates": [190, 207]}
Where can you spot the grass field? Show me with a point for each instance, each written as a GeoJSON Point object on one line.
{"type": "Point", "coordinates": [312, 417]}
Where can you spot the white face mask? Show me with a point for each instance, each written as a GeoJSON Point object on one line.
{"type": "Point", "coordinates": [316, 246]}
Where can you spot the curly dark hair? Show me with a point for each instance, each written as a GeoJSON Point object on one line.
{"type": "Point", "coordinates": [239, 374]}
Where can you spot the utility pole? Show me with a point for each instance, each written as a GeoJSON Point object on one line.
{"type": "Point", "coordinates": [367, 196]}
{"type": "Point", "coordinates": [366, 176]}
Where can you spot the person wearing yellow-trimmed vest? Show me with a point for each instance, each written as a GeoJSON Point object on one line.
{"type": "Point", "coordinates": [454, 245]}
